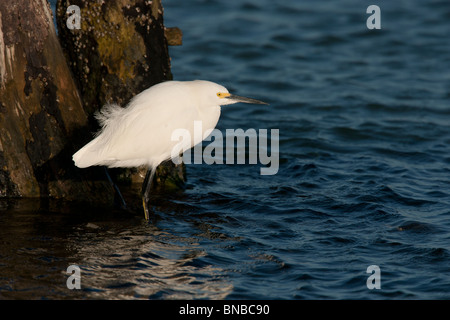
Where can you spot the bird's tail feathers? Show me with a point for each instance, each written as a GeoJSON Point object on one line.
{"type": "Point", "coordinates": [84, 157]}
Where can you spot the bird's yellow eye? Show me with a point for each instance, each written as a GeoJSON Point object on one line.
{"type": "Point", "coordinates": [222, 94]}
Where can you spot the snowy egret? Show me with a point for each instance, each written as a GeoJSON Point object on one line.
{"type": "Point", "coordinates": [140, 134]}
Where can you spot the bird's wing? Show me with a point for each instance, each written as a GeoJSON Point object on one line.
{"type": "Point", "coordinates": [147, 133]}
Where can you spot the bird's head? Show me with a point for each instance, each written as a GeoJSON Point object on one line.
{"type": "Point", "coordinates": [227, 98]}
{"type": "Point", "coordinates": [215, 94]}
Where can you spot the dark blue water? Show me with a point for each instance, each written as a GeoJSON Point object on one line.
{"type": "Point", "coordinates": [364, 176]}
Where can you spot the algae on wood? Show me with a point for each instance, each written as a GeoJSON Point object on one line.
{"type": "Point", "coordinates": [119, 51]}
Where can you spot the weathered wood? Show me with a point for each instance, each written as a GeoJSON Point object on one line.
{"type": "Point", "coordinates": [41, 114]}
{"type": "Point", "coordinates": [119, 50]}
{"type": "Point", "coordinates": [174, 36]}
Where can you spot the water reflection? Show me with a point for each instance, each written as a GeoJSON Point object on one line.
{"type": "Point", "coordinates": [152, 264]}
{"type": "Point", "coordinates": [120, 258]}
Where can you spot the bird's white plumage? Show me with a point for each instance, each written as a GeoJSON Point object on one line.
{"type": "Point", "coordinates": [140, 134]}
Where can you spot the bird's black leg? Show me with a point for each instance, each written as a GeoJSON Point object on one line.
{"type": "Point", "coordinates": [146, 186]}
{"type": "Point", "coordinates": [123, 204]}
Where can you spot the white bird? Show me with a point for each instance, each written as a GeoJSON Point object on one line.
{"type": "Point", "coordinates": [141, 133]}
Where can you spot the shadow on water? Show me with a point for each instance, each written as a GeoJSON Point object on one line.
{"type": "Point", "coordinates": [121, 256]}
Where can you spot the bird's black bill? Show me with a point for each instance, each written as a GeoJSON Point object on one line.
{"type": "Point", "coordinates": [244, 99]}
